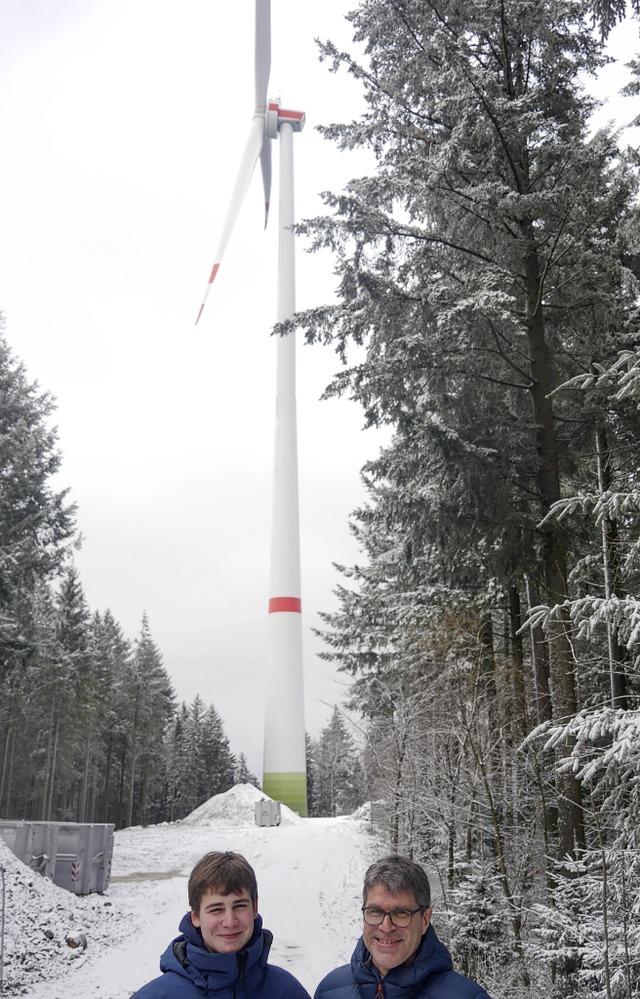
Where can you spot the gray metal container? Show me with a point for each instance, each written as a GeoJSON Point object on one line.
{"type": "Point", "coordinates": [74, 855]}
{"type": "Point", "coordinates": [267, 812]}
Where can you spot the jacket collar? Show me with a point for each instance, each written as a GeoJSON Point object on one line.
{"type": "Point", "coordinates": [188, 957]}
{"type": "Point", "coordinates": [407, 980]}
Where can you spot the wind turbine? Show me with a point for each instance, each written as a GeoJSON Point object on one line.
{"type": "Point", "coordinates": [284, 761]}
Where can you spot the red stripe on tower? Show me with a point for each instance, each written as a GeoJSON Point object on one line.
{"type": "Point", "coordinates": [279, 604]}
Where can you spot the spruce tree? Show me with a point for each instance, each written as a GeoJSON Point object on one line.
{"type": "Point", "coordinates": [150, 708]}
{"type": "Point", "coordinates": [338, 777]}
{"type": "Point", "coordinates": [483, 264]}
{"type": "Point", "coordinates": [37, 522]}
{"type": "Point", "coordinates": [37, 527]}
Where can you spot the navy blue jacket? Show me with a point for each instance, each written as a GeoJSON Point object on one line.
{"type": "Point", "coordinates": [190, 970]}
{"type": "Point", "coordinates": [429, 976]}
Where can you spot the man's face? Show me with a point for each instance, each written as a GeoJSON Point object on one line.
{"type": "Point", "coordinates": [389, 945]}
{"type": "Point", "coordinates": [225, 921]}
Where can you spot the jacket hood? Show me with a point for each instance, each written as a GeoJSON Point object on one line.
{"type": "Point", "coordinates": [406, 981]}
{"type": "Point", "coordinates": [187, 956]}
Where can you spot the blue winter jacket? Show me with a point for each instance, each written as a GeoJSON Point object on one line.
{"type": "Point", "coordinates": [429, 976]}
{"type": "Point", "coordinates": [190, 970]}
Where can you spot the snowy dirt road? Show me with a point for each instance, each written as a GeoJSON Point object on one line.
{"type": "Point", "coordinates": [309, 878]}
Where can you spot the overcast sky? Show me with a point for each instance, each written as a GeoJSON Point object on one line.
{"type": "Point", "coordinates": [122, 126]}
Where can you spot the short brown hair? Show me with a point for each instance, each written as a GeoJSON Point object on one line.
{"type": "Point", "coordinates": [229, 873]}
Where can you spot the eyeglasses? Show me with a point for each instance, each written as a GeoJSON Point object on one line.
{"type": "Point", "coordinates": [374, 916]}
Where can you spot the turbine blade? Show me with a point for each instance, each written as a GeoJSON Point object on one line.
{"type": "Point", "coordinates": [263, 52]}
{"type": "Point", "coordinates": [265, 163]}
{"type": "Point", "coordinates": [250, 156]}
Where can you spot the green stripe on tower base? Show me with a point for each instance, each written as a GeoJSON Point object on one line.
{"type": "Point", "coordinates": [290, 789]}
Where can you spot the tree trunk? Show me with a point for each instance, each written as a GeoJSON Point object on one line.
{"type": "Point", "coordinates": [7, 767]}
{"type": "Point", "coordinates": [540, 659]}
{"type": "Point", "coordinates": [488, 670]}
{"type": "Point", "coordinates": [120, 800]}
{"type": "Point", "coordinates": [49, 766]}
{"type": "Point", "coordinates": [48, 805]}
{"type": "Point", "coordinates": [134, 758]}
{"type": "Point", "coordinates": [132, 781]}
{"type": "Point", "coordinates": [554, 567]}
{"type": "Point", "coordinates": [521, 720]}
{"type": "Point", "coordinates": [84, 796]}
{"type": "Point", "coordinates": [104, 808]}
{"type": "Point", "coordinates": [617, 654]}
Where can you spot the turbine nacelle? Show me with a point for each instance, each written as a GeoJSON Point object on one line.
{"type": "Point", "coordinates": [264, 128]}
{"type": "Point", "coordinates": [276, 116]}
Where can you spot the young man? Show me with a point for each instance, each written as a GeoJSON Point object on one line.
{"type": "Point", "coordinates": [398, 954]}
{"type": "Point", "coordinates": [222, 949]}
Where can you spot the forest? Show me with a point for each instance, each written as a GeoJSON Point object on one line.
{"type": "Point", "coordinates": [487, 275]}
{"type": "Point", "coordinates": [487, 286]}
{"type": "Point", "coordinates": [90, 727]}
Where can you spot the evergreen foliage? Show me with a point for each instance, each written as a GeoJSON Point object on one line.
{"type": "Point", "coordinates": [37, 524]}
{"type": "Point", "coordinates": [589, 933]}
{"type": "Point", "coordinates": [338, 779]}
{"type": "Point", "coordinates": [488, 276]}
{"type": "Point", "coordinates": [309, 747]}
{"type": "Point", "coordinates": [199, 762]}
{"type": "Point", "coordinates": [89, 731]}
{"type": "Point", "coordinates": [478, 932]}
{"type": "Point", "coordinates": [242, 774]}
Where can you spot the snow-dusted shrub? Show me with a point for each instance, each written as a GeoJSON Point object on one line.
{"type": "Point", "coordinates": [589, 934]}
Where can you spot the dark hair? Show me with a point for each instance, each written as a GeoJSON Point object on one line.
{"type": "Point", "coordinates": [398, 874]}
{"type": "Point", "coordinates": [229, 873]}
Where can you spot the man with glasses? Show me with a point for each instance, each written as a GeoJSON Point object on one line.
{"type": "Point", "coordinates": [398, 954]}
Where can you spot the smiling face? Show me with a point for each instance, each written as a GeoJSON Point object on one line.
{"type": "Point", "coordinates": [225, 921]}
{"type": "Point", "coordinates": [389, 945]}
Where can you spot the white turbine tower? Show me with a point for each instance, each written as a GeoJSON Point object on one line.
{"type": "Point", "coordinates": [284, 763]}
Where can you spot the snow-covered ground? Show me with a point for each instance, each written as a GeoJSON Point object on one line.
{"type": "Point", "coordinates": [309, 880]}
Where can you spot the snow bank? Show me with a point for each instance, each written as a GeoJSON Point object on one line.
{"type": "Point", "coordinates": [309, 874]}
{"type": "Point", "coordinates": [363, 813]}
{"type": "Point", "coordinates": [40, 917]}
{"type": "Point", "coordinates": [45, 927]}
{"type": "Point", "coordinates": [236, 808]}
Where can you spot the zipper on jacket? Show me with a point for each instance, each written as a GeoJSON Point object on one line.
{"type": "Point", "coordinates": [379, 993]}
